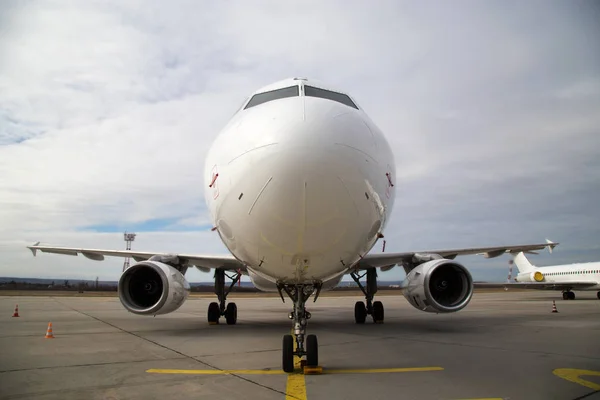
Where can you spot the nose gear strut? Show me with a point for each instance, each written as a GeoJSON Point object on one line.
{"type": "Point", "coordinates": [299, 294]}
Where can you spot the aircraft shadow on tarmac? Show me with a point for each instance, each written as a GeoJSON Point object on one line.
{"type": "Point", "coordinates": [396, 326]}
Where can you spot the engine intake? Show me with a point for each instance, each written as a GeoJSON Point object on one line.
{"type": "Point", "coordinates": [439, 286]}
{"type": "Point", "coordinates": [152, 288]}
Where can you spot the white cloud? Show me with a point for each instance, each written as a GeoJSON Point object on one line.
{"type": "Point", "coordinates": [107, 110]}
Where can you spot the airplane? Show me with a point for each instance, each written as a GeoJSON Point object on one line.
{"type": "Point", "coordinates": [565, 277]}
{"type": "Point", "coordinates": [300, 184]}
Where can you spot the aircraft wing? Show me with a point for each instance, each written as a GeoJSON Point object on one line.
{"type": "Point", "coordinates": [202, 262]}
{"type": "Point", "coordinates": [538, 285]}
{"type": "Point", "coordinates": [387, 261]}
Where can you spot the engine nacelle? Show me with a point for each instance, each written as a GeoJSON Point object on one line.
{"type": "Point", "coordinates": [152, 288]}
{"type": "Point", "coordinates": [438, 286]}
{"type": "Point", "coordinates": [534, 276]}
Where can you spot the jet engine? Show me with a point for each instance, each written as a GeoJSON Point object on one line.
{"type": "Point", "coordinates": [535, 276]}
{"type": "Point", "coordinates": [438, 286]}
{"type": "Point", "coordinates": [152, 288]}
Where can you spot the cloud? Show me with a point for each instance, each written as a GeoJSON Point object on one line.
{"type": "Point", "coordinates": [107, 111]}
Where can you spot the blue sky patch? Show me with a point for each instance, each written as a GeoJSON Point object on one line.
{"type": "Point", "coordinates": [151, 225]}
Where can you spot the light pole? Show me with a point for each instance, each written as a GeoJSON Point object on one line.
{"type": "Point", "coordinates": [128, 237]}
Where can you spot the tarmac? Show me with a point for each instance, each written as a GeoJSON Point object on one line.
{"type": "Point", "coordinates": [504, 345]}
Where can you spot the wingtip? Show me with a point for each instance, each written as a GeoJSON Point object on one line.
{"type": "Point", "coordinates": [33, 248]}
{"type": "Point", "coordinates": [551, 245]}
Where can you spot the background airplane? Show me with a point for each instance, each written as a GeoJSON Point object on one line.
{"type": "Point", "coordinates": [300, 185]}
{"type": "Point", "coordinates": [564, 277]}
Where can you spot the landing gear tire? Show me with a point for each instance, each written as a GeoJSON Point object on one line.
{"type": "Point", "coordinates": [360, 312]}
{"type": "Point", "coordinates": [378, 312]}
{"type": "Point", "coordinates": [288, 353]}
{"type": "Point", "coordinates": [213, 313]}
{"type": "Point", "coordinates": [568, 296]}
{"type": "Point", "coordinates": [229, 311]}
{"type": "Point", "coordinates": [231, 314]}
{"type": "Point", "coordinates": [598, 295]}
{"type": "Point", "coordinates": [375, 309]}
{"type": "Point", "coordinates": [312, 351]}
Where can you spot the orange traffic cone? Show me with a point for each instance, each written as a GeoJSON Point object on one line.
{"type": "Point", "coordinates": [16, 313]}
{"type": "Point", "coordinates": [554, 307]}
{"type": "Point", "coordinates": [49, 334]}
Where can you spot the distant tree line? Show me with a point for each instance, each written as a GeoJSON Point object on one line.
{"type": "Point", "coordinates": [66, 285]}
{"type": "Point", "coordinates": [59, 286]}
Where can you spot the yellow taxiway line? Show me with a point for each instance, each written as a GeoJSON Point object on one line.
{"type": "Point", "coordinates": [380, 370]}
{"type": "Point", "coordinates": [281, 372]}
{"type": "Point", "coordinates": [574, 375]}
{"type": "Point", "coordinates": [216, 371]}
{"type": "Point", "coordinates": [296, 384]}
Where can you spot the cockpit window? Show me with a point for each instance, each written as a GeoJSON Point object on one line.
{"type": "Point", "coordinates": [277, 94]}
{"type": "Point", "coordinates": [327, 94]}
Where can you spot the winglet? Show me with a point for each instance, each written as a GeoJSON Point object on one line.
{"type": "Point", "coordinates": [551, 245]}
{"type": "Point", "coordinates": [33, 248]}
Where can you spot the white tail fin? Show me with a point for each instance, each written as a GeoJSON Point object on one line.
{"type": "Point", "coordinates": [523, 264]}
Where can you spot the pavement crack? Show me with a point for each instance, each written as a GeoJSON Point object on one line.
{"type": "Point", "coordinates": [171, 349]}
{"type": "Point", "coordinates": [586, 395]}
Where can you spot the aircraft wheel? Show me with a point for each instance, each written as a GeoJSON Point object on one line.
{"type": "Point", "coordinates": [360, 312]}
{"type": "Point", "coordinates": [565, 296]}
{"type": "Point", "coordinates": [231, 314]}
{"type": "Point", "coordinates": [213, 313]}
{"type": "Point", "coordinates": [598, 295]}
{"type": "Point", "coordinates": [378, 312]}
{"type": "Point", "coordinates": [571, 296]}
{"type": "Point", "coordinates": [288, 353]}
{"type": "Point", "coordinates": [312, 351]}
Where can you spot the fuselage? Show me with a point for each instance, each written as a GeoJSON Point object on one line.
{"type": "Point", "coordinates": [583, 272]}
{"type": "Point", "coordinates": [299, 183]}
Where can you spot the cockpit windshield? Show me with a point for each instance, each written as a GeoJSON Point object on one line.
{"type": "Point", "coordinates": [294, 91]}
{"type": "Point", "coordinates": [260, 98]}
{"type": "Point", "coordinates": [329, 95]}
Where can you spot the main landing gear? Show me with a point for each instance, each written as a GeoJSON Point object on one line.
{"type": "Point", "coordinates": [374, 309]}
{"type": "Point", "coordinates": [216, 310]}
{"type": "Point", "coordinates": [299, 294]}
{"type": "Point", "coordinates": [568, 295]}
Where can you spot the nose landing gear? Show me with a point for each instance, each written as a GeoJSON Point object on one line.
{"type": "Point", "coordinates": [299, 294]}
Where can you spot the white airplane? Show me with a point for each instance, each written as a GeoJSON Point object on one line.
{"type": "Point", "coordinates": [565, 277]}
{"type": "Point", "coordinates": [300, 185]}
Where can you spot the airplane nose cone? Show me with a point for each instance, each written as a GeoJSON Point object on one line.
{"type": "Point", "coordinates": [305, 206]}
{"type": "Point", "coordinates": [305, 190]}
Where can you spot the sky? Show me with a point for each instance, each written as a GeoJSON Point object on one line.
{"type": "Point", "coordinates": [107, 110]}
